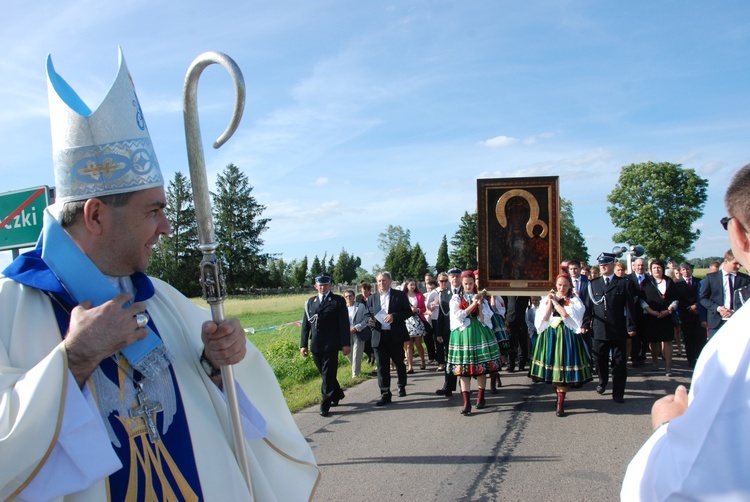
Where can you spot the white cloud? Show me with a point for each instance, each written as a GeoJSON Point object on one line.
{"type": "Point", "coordinates": [321, 181]}
{"type": "Point", "coordinates": [500, 142]}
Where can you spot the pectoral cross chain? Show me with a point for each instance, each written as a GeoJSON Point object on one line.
{"type": "Point", "coordinates": [147, 410]}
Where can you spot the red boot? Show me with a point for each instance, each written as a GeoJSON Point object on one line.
{"type": "Point", "coordinates": [560, 400]}
{"type": "Point", "coordinates": [467, 404]}
{"type": "Point", "coordinates": [480, 398]}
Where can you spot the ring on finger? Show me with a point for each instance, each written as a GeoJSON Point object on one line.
{"type": "Point", "coordinates": [141, 319]}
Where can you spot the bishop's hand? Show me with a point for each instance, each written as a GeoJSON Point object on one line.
{"type": "Point", "coordinates": [95, 333]}
{"type": "Point", "coordinates": [224, 343]}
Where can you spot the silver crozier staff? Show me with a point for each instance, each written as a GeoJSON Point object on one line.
{"type": "Point", "coordinates": [214, 290]}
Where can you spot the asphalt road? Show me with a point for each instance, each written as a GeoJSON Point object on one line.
{"type": "Point", "coordinates": [421, 448]}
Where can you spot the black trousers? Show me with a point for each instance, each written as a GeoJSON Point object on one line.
{"type": "Point", "coordinates": [600, 354]}
{"type": "Point", "coordinates": [639, 348]}
{"type": "Point", "coordinates": [694, 337]}
{"type": "Point", "coordinates": [429, 341]}
{"type": "Point", "coordinates": [450, 379]}
{"type": "Point", "coordinates": [389, 349]}
{"type": "Point", "coordinates": [328, 364]}
{"type": "Point", "coordinates": [518, 336]}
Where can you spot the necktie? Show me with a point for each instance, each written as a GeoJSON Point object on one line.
{"type": "Point", "coordinates": [730, 278]}
{"type": "Point", "coordinates": [689, 281]}
{"type": "Point", "coordinates": [606, 281]}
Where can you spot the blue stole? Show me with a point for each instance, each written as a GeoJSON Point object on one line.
{"type": "Point", "coordinates": [83, 280]}
{"type": "Point", "coordinates": [172, 460]}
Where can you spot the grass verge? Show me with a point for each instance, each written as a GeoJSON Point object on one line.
{"type": "Point", "coordinates": [275, 320]}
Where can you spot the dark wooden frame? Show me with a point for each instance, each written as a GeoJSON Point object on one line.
{"type": "Point", "coordinates": [519, 234]}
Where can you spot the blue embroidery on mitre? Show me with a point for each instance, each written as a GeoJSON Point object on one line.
{"type": "Point", "coordinates": [119, 167]}
{"type": "Point", "coordinates": [102, 152]}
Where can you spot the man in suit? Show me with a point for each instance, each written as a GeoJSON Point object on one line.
{"type": "Point", "coordinates": [389, 308]}
{"type": "Point", "coordinates": [639, 343]}
{"type": "Point", "coordinates": [609, 316]}
{"type": "Point", "coordinates": [518, 332]}
{"type": "Point", "coordinates": [580, 282]}
{"type": "Point", "coordinates": [443, 326]}
{"type": "Point", "coordinates": [719, 294]}
{"type": "Point", "coordinates": [326, 326]}
{"type": "Point", "coordinates": [690, 309]}
{"type": "Point", "coordinates": [581, 288]}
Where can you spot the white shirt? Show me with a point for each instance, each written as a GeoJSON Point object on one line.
{"type": "Point", "coordinates": [703, 454]}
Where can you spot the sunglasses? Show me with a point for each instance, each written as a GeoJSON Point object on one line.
{"type": "Point", "coordinates": [725, 222]}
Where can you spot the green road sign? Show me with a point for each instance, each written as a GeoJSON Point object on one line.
{"type": "Point", "coordinates": [21, 217]}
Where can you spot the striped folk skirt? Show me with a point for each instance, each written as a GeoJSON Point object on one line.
{"type": "Point", "coordinates": [560, 357]}
{"type": "Point", "coordinates": [501, 333]}
{"type": "Point", "coordinates": [473, 351]}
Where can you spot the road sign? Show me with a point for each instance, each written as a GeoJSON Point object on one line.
{"type": "Point", "coordinates": [21, 217]}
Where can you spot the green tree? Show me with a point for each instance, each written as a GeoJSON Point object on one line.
{"type": "Point", "coordinates": [442, 264]}
{"type": "Point", "coordinates": [418, 265]}
{"type": "Point", "coordinates": [394, 236]}
{"type": "Point", "coordinates": [300, 273]}
{"type": "Point", "coordinates": [398, 262]}
{"type": "Point", "coordinates": [316, 269]}
{"type": "Point", "coordinates": [345, 270]}
{"type": "Point", "coordinates": [465, 242]}
{"type": "Point", "coordinates": [238, 229]}
{"type": "Point", "coordinates": [278, 273]}
{"type": "Point", "coordinates": [572, 243]}
{"type": "Point", "coordinates": [656, 205]}
{"type": "Point", "coordinates": [176, 258]}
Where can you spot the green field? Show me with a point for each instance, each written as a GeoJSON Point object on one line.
{"type": "Point", "coordinates": [278, 339]}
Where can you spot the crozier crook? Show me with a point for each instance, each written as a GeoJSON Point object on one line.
{"type": "Point", "coordinates": [212, 281]}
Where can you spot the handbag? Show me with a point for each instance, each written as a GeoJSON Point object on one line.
{"type": "Point", "coordinates": [414, 326]}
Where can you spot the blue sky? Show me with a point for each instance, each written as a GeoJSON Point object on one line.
{"type": "Point", "coordinates": [364, 114]}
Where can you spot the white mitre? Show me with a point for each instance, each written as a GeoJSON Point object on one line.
{"type": "Point", "coordinates": [104, 152]}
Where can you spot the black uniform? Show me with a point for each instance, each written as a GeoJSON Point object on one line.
{"type": "Point", "coordinates": [609, 314]}
{"type": "Point", "coordinates": [326, 325]}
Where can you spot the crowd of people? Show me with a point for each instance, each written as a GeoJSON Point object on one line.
{"type": "Point", "coordinates": [595, 320]}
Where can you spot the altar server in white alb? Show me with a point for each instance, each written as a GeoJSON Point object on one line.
{"type": "Point", "coordinates": [109, 379]}
{"type": "Point", "coordinates": [700, 449]}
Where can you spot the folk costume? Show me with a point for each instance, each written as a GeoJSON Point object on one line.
{"type": "Point", "coordinates": [149, 424]}
{"type": "Point", "coordinates": [498, 326]}
{"type": "Point", "coordinates": [560, 356]}
{"type": "Point", "coordinates": [473, 348]}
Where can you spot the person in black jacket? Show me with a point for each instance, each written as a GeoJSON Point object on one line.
{"type": "Point", "coordinates": [691, 313]}
{"type": "Point", "coordinates": [389, 309]}
{"type": "Point", "coordinates": [609, 317]}
{"type": "Point", "coordinates": [325, 324]}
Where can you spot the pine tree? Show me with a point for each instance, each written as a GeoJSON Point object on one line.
{"type": "Point", "coordinates": [465, 242]}
{"type": "Point", "coordinates": [442, 264]}
{"type": "Point", "coordinates": [418, 265]}
{"type": "Point", "coordinates": [176, 258]}
{"type": "Point", "coordinates": [238, 229]}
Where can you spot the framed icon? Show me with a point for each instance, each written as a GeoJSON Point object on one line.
{"type": "Point", "coordinates": [519, 234]}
